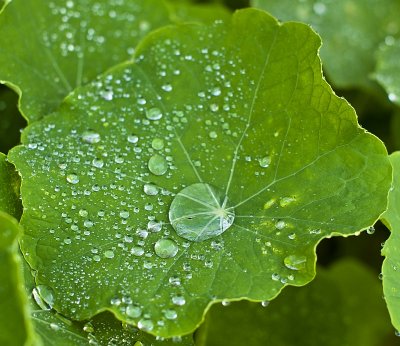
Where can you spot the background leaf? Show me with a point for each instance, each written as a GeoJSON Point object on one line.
{"type": "Point", "coordinates": [15, 325]}
{"type": "Point", "coordinates": [67, 44]}
{"type": "Point", "coordinates": [332, 310]}
{"type": "Point", "coordinates": [391, 250]}
{"type": "Point", "coordinates": [351, 33]}
{"type": "Point", "coordinates": [237, 110]}
{"type": "Point", "coordinates": [9, 189]}
{"type": "Point", "coordinates": [388, 69]}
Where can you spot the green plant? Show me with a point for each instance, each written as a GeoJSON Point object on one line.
{"type": "Point", "coordinates": [177, 156]}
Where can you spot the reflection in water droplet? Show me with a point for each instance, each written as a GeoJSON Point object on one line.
{"type": "Point", "coordinates": [295, 262]}
{"type": "Point", "coordinates": [200, 211]}
{"type": "Point", "coordinates": [72, 178]}
{"type": "Point", "coordinates": [158, 165]}
{"type": "Point", "coordinates": [91, 137]}
{"type": "Point", "coordinates": [154, 114]}
{"type": "Point", "coordinates": [166, 248]}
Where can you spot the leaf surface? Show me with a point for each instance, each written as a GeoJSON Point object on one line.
{"type": "Point", "coordinates": [15, 325]}
{"type": "Point", "coordinates": [391, 250]}
{"type": "Point", "coordinates": [226, 131]}
{"type": "Point", "coordinates": [351, 32]}
{"type": "Point", "coordinates": [50, 47]}
{"type": "Point", "coordinates": [388, 69]}
{"type": "Point", "coordinates": [332, 310]}
{"type": "Point", "coordinates": [9, 189]}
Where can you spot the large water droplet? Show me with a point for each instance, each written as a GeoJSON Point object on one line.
{"type": "Point", "coordinates": [295, 262]}
{"type": "Point", "coordinates": [158, 165]}
{"type": "Point", "coordinates": [44, 296]}
{"type": "Point", "coordinates": [200, 211]}
{"type": "Point", "coordinates": [166, 248]}
{"type": "Point", "coordinates": [154, 114]}
{"type": "Point", "coordinates": [91, 137]}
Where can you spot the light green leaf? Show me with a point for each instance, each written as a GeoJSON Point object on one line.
{"type": "Point", "coordinates": [335, 309]}
{"type": "Point", "coordinates": [47, 48]}
{"type": "Point", "coordinates": [391, 250]}
{"type": "Point", "coordinates": [9, 189]}
{"type": "Point", "coordinates": [11, 121]}
{"type": "Point", "coordinates": [236, 119]}
{"type": "Point", "coordinates": [388, 69]}
{"type": "Point", "coordinates": [351, 32]}
{"type": "Point", "coordinates": [15, 325]}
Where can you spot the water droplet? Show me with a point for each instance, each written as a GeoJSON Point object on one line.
{"type": "Point", "coordinates": [154, 114]}
{"type": "Point", "coordinates": [319, 8]}
{"type": "Point", "coordinates": [154, 226]}
{"type": "Point", "coordinates": [98, 163]}
{"type": "Point", "coordinates": [280, 224]}
{"type": "Point", "coordinates": [83, 213]}
{"type": "Point", "coordinates": [200, 211]}
{"type": "Point", "coordinates": [109, 254]}
{"type": "Point", "coordinates": [133, 311]}
{"type": "Point", "coordinates": [145, 325]}
{"type": "Point", "coordinates": [158, 165]}
{"type": "Point", "coordinates": [133, 139]}
{"type": "Point", "coordinates": [44, 297]}
{"type": "Point", "coordinates": [170, 314]}
{"type": "Point", "coordinates": [124, 214]}
{"type": "Point", "coordinates": [265, 303]}
{"type": "Point", "coordinates": [213, 135]}
{"type": "Point", "coordinates": [285, 201]}
{"type": "Point", "coordinates": [166, 248]}
{"type": "Point", "coordinates": [371, 230]}
{"type": "Point", "coordinates": [179, 300]}
{"type": "Point", "coordinates": [72, 178]}
{"type": "Point", "coordinates": [88, 327]}
{"type": "Point", "coordinates": [150, 189]}
{"type": "Point", "coordinates": [225, 302]}
{"type": "Point", "coordinates": [54, 326]}
{"type": "Point", "coordinates": [157, 144]}
{"type": "Point", "coordinates": [137, 251]}
{"type": "Point", "coordinates": [91, 137]}
{"type": "Point", "coordinates": [107, 95]}
{"type": "Point", "coordinates": [265, 161]}
{"type": "Point", "coordinates": [392, 97]}
{"type": "Point", "coordinates": [295, 262]}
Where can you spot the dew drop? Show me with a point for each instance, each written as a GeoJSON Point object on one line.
{"type": "Point", "coordinates": [157, 144]}
{"type": "Point", "coordinates": [170, 314]}
{"type": "Point", "coordinates": [98, 163]}
{"type": "Point", "coordinates": [72, 178]}
{"type": "Point", "coordinates": [137, 251]}
{"type": "Point", "coordinates": [166, 248]}
{"type": "Point", "coordinates": [179, 300]}
{"type": "Point", "coordinates": [265, 303]}
{"type": "Point", "coordinates": [154, 114]}
{"type": "Point", "coordinates": [213, 135]}
{"type": "Point", "coordinates": [133, 311]}
{"type": "Point", "coordinates": [91, 137]}
{"type": "Point", "coordinates": [200, 211]}
{"type": "Point", "coordinates": [265, 161]}
{"type": "Point", "coordinates": [158, 165]}
{"type": "Point", "coordinates": [44, 296]}
{"type": "Point", "coordinates": [88, 327]}
{"type": "Point", "coordinates": [124, 214]}
{"type": "Point", "coordinates": [154, 226]}
{"type": "Point", "coordinates": [145, 325]}
{"type": "Point", "coordinates": [295, 262]}
{"type": "Point", "coordinates": [109, 254]}
{"type": "Point", "coordinates": [150, 189]}
{"type": "Point", "coordinates": [133, 139]}
{"type": "Point", "coordinates": [280, 224]}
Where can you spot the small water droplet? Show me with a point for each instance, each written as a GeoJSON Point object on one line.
{"type": "Point", "coordinates": [133, 139]}
{"type": "Point", "coordinates": [280, 224]}
{"type": "Point", "coordinates": [109, 254]}
{"type": "Point", "coordinates": [88, 327]}
{"type": "Point", "coordinates": [72, 178]}
{"type": "Point", "coordinates": [124, 214]}
{"type": "Point", "coordinates": [265, 161]}
{"type": "Point", "coordinates": [371, 230]}
{"type": "Point", "coordinates": [295, 262]}
{"type": "Point", "coordinates": [265, 303]}
{"type": "Point", "coordinates": [98, 163]}
{"type": "Point", "coordinates": [150, 189]}
{"type": "Point", "coordinates": [107, 95]}
{"type": "Point", "coordinates": [133, 311]}
{"type": "Point", "coordinates": [145, 325]}
{"type": "Point", "coordinates": [91, 137]}
{"type": "Point", "coordinates": [137, 251]}
{"type": "Point", "coordinates": [213, 135]}
{"type": "Point", "coordinates": [166, 248]}
{"type": "Point", "coordinates": [158, 165]}
{"type": "Point", "coordinates": [154, 114]}
{"type": "Point", "coordinates": [170, 314]}
{"type": "Point", "coordinates": [179, 300]}
{"type": "Point", "coordinates": [157, 144]}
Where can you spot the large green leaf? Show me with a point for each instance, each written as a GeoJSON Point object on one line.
{"type": "Point", "coordinates": [9, 189]}
{"type": "Point", "coordinates": [47, 48]}
{"type": "Point", "coordinates": [351, 32]}
{"type": "Point", "coordinates": [11, 121]}
{"type": "Point", "coordinates": [335, 309]}
{"type": "Point", "coordinates": [235, 126]}
{"type": "Point", "coordinates": [15, 325]}
{"type": "Point", "coordinates": [388, 69]}
{"type": "Point", "coordinates": [391, 250]}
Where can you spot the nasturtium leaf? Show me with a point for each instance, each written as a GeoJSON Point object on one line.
{"type": "Point", "coordinates": [391, 250]}
{"type": "Point", "coordinates": [47, 48]}
{"type": "Point", "coordinates": [351, 32]}
{"type": "Point", "coordinates": [15, 325]}
{"type": "Point", "coordinates": [9, 189]}
{"type": "Point", "coordinates": [335, 309]}
{"type": "Point", "coordinates": [388, 69]}
{"type": "Point", "coordinates": [11, 122]}
{"type": "Point", "coordinates": [230, 122]}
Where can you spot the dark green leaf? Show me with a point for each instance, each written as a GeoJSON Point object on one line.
{"type": "Point", "coordinates": [9, 189]}
{"type": "Point", "coordinates": [342, 306]}
{"type": "Point", "coordinates": [391, 250]}
{"type": "Point", "coordinates": [351, 32]}
{"type": "Point", "coordinates": [228, 120]}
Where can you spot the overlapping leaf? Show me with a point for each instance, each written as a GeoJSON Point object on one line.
{"type": "Point", "coordinates": [391, 250]}
{"type": "Point", "coordinates": [351, 32]}
{"type": "Point", "coordinates": [233, 123]}
{"type": "Point", "coordinates": [332, 310]}
{"type": "Point", "coordinates": [388, 69]}
{"type": "Point", "coordinates": [9, 189]}
{"type": "Point", "coordinates": [15, 325]}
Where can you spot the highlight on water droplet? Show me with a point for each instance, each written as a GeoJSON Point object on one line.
{"type": "Point", "coordinates": [200, 211]}
{"type": "Point", "coordinates": [158, 165]}
{"type": "Point", "coordinates": [166, 248]}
